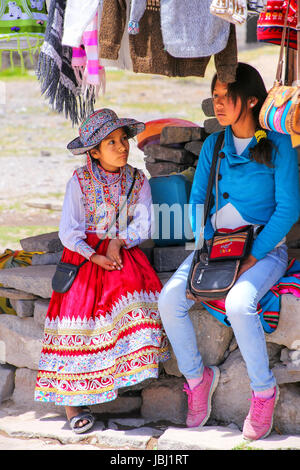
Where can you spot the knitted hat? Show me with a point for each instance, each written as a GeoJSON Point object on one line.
{"type": "Point", "coordinates": [99, 125]}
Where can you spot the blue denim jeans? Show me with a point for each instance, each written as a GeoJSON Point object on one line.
{"type": "Point", "coordinates": [241, 310]}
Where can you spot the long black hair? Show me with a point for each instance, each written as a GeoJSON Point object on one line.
{"type": "Point", "coordinates": [249, 83]}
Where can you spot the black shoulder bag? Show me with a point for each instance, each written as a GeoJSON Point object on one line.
{"type": "Point", "coordinates": [66, 272]}
{"type": "Point", "coordinates": [214, 268]}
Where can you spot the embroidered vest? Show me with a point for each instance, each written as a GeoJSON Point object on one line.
{"type": "Point", "coordinates": [102, 201]}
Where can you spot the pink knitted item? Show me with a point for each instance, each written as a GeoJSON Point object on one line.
{"type": "Point", "coordinates": [85, 60]}
{"type": "Point", "coordinates": [199, 398]}
{"type": "Point", "coordinates": [259, 421]}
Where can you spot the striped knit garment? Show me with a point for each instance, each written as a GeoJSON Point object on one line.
{"type": "Point", "coordinates": [86, 63]}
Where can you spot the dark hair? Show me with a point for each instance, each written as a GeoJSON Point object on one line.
{"type": "Point", "coordinates": [249, 83]}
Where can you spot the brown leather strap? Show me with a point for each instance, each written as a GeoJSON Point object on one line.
{"type": "Point", "coordinates": [298, 44]}
{"type": "Point", "coordinates": [278, 80]}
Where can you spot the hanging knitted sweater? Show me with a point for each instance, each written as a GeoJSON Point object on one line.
{"type": "Point", "coordinates": [187, 32]}
{"type": "Point", "coordinates": [147, 49]}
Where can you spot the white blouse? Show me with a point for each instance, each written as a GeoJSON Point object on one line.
{"type": "Point", "coordinates": [72, 232]}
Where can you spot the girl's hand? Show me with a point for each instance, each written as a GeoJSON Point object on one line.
{"type": "Point", "coordinates": [113, 252]}
{"type": "Point", "coordinates": [104, 262]}
{"type": "Point", "coordinates": [246, 264]}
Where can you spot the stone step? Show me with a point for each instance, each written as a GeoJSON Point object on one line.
{"type": "Point", "coordinates": [21, 338]}
{"type": "Point", "coordinates": [46, 258]}
{"type": "Point", "coordinates": [169, 258]}
{"type": "Point", "coordinates": [35, 280]}
{"type": "Point", "coordinates": [169, 154]}
{"type": "Point", "coordinates": [29, 425]}
{"type": "Point", "coordinates": [47, 242]}
{"type": "Point", "coordinates": [221, 438]}
{"type": "Point", "coordinates": [177, 135]}
{"type": "Point", "coordinates": [287, 332]}
{"type": "Point", "coordinates": [9, 293]}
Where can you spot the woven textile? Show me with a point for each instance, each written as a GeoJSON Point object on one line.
{"type": "Point", "coordinates": [22, 27]}
{"type": "Point", "coordinates": [268, 308]}
{"type": "Point", "coordinates": [55, 72]}
{"type": "Point", "coordinates": [270, 23]}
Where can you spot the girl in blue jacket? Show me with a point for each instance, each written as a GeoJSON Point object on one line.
{"type": "Point", "coordinates": [258, 185]}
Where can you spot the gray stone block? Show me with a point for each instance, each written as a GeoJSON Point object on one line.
{"type": "Point", "coordinates": [213, 339]}
{"type": "Point", "coordinates": [21, 338]}
{"type": "Point", "coordinates": [169, 154]}
{"type": "Point", "coordinates": [23, 395]}
{"type": "Point", "coordinates": [287, 332]}
{"type": "Point", "coordinates": [9, 293]}
{"type": "Point", "coordinates": [165, 401]}
{"type": "Point", "coordinates": [46, 258]}
{"type": "Point", "coordinates": [208, 107]}
{"type": "Point", "coordinates": [23, 308]}
{"type": "Point", "coordinates": [174, 135]}
{"type": "Point", "coordinates": [212, 125]}
{"type": "Point", "coordinates": [169, 258]}
{"type": "Point", "coordinates": [194, 147]}
{"type": "Point", "coordinates": [7, 381]}
{"type": "Point", "coordinates": [33, 279]}
{"type": "Point", "coordinates": [165, 168]}
{"type": "Point", "coordinates": [121, 404]}
{"type": "Point", "coordinates": [48, 242]}
{"type": "Point", "coordinates": [203, 438]}
{"type": "Point", "coordinates": [40, 311]}
{"type": "Point", "coordinates": [164, 276]}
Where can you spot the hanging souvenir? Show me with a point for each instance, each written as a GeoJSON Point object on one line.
{"type": "Point", "coordinates": [55, 72]}
{"type": "Point", "coordinates": [22, 26]}
{"type": "Point", "coordinates": [234, 11]}
{"type": "Point", "coordinates": [271, 22]}
{"type": "Point", "coordinates": [89, 72]}
{"type": "Point", "coordinates": [257, 6]}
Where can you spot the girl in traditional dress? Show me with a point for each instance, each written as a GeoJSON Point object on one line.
{"type": "Point", "coordinates": [259, 185]}
{"type": "Point", "coordinates": [105, 332]}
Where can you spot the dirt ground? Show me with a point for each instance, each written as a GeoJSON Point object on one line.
{"type": "Point", "coordinates": [35, 165]}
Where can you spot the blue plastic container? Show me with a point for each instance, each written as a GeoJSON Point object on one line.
{"type": "Point", "coordinates": [170, 196]}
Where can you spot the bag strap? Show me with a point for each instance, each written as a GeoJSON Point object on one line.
{"type": "Point", "coordinates": [208, 198]}
{"type": "Point", "coordinates": [297, 82]}
{"type": "Point", "coordinates": [115, 218]}
{"type": "Point", "coordinates": [278, 80]}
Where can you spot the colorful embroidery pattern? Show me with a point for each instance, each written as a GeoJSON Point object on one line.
{"type": "Point", "coordinates": [87, 360]}
{"type": "Point", "coordinates": [105, 332]}
{"type": "Point", "coordinates": [102, 198]}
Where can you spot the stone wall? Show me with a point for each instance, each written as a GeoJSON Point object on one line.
{"type": "Point", "coordinates": [29, 290]}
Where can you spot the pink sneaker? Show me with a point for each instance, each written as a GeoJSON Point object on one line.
{"type": "Point", "coordinates": [259, 421]}
{"type": "Point", "coordinates": [199, 398]}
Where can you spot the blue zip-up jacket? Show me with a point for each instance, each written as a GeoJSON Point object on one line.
{"type": "Point", "coordinates": [262, 195]}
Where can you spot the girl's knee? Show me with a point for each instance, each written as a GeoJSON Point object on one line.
{"type": "Point", "coordinates": [166, 302]}
{"type": "Point", "coordinates": [237, 304]}
{"type": "Point", "coordinates": [171, 303]}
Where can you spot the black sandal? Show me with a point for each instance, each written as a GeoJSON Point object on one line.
{"type": "Point", "coordinates": [84, 415]}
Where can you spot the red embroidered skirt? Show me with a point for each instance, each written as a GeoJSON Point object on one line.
{"type": "Point", "coordinates": [104, 333]}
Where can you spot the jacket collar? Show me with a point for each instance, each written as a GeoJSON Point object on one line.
{"type": "Point", "coordinates": [230, 151]}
